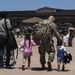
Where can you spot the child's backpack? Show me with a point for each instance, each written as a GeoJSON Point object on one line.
{"type": "Point", "coordinates": [67, 58]}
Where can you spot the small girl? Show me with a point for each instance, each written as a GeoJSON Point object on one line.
{"type": "Point", "coordinates": [27, 44]}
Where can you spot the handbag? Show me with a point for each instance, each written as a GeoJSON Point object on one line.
{"type": "Point", "coordinates": [11, 43]}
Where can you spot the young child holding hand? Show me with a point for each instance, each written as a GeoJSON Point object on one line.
{"type": "Point", "coordinates": [61, 51]}
{"type": "Point", "coordinates": [27, 44]}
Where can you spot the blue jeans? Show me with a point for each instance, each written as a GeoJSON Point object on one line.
{"type": "Point", "coordinates": [2, 45]}
{"type": "Point", "coordinates": [1, 59]}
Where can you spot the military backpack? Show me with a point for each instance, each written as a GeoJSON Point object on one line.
{"type": "Point", "coordinates": [42, 31]}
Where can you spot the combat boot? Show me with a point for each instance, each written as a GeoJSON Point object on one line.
{"type": "Point", "coordinates": [43, 67]}
{"type": "Point", "coordinates": [49, 66]}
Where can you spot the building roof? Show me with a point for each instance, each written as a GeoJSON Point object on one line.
{"type": "Point", "coordinates": [66, 12]}
{"type": "Point", "coordinates": [41, 11]}
{"type": "Point", "coordinates": [20, 13]}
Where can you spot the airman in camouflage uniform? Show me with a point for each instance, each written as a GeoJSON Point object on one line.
{"type": "Point", "coordinates": [48, 45]}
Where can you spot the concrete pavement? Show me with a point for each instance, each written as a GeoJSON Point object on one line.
{"type": "Point", "coordinates": [35, 64]}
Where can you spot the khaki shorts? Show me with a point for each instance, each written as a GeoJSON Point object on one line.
{"type": "Point", "coordinates": [59, 60]}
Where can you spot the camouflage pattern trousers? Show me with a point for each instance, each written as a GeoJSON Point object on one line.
{"type": "Point", "coordinates": [49, 48]}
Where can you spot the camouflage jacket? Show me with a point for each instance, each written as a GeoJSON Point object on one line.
{"type": "Point", "coordinates": [48, 29]}
{"type": "Point", "coordinates": [53, 28]}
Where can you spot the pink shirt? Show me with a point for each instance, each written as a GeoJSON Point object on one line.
{"type": "Point", "coordinates": [26, 47]}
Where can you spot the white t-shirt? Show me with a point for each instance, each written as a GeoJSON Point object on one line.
{"type": "Point", "coordinates": [64, 39]}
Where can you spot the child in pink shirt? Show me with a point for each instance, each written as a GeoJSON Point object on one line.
{"type": "Point", "coordinates": [27, 44]}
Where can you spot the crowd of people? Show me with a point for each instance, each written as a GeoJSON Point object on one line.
{"type": "Point", "coordinates": [68, 37]}
{"type": "Point", "coordinates": [46, 45]}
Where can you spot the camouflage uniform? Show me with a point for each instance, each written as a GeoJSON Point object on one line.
{"type": "Point", "coordinates": [48, 45]}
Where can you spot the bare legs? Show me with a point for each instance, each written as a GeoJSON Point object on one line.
{"type": "Point", "coordinates": [24, 61]}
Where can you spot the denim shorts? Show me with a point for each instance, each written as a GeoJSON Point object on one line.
{"type": "Point", "coordinates": [59, 60]}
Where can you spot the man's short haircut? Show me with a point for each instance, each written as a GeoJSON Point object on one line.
{"type": "Point", "coordinates": [59, 42]}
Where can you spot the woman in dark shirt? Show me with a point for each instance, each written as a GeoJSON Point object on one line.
{"type": "Point", "coordinates": [71, 31]}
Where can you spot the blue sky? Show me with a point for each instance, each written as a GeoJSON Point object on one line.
{"type": "Point", "coordinates": [15, 5]}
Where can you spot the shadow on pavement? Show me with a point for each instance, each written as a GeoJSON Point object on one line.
{"type": "Point", "coordinates": [61, 70]}
{"type": "Point", "coordinates": [10, 67]}
{"type": "Point", "coordinates": [38, 69]}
